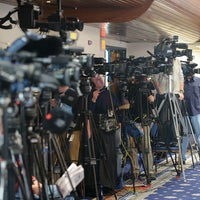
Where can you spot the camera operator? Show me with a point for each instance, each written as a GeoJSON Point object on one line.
{"type": "Point", "coordinates": [161, 81]}
{"type": "Point", "coordinates": [67, 98]}
{"type": "Point", "coordinates": [141, 98]}
{"type": "Point", "coordinates": [103, 104]}
{"type": "Point", "coordinates": [163, 87]}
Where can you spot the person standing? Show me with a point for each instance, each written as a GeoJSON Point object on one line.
{"type": "Point", "coordinates": [192, 102]}
{"type": "Point", "coordinates": [141, 98]}
{"type": "Point", "coordinates": [170, 81]}
{"type": "Point", "coordinates": [102, 104]}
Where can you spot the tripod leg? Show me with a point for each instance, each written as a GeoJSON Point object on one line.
{"type": "Point", "coordinates": [190, 138]}
{"type": "Point", "coordinates": [87, 153]}
{"type": "Point", "coordinates": [3, 172]}
{"type": "Point", "coordinates": [147, 153]}
{"type": "Point", "coordinates": [17, 175]}
{"type": "Point", "coordinates": [133, 155]}
{"type": "Point", "coordinates": [187, 128]}
{"type": "Point", "coordinates": [38, 166]}
{"type": "Point", "coordinates": [195, 120]}
{"type": "Point", "coordinates": [175, 113]}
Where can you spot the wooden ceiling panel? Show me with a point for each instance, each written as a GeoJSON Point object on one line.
{"type": "Point", "coordinates": [175, 17]}
{"type": "Point", "coordinates": [162, 19]}
{"type": "Point", "coordinates": [90, 11]}
{"type": "Point", "coordinates": [96, 3]}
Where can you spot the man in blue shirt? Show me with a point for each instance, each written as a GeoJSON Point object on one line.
{"type": "Point", "coordinates": [192, 100]}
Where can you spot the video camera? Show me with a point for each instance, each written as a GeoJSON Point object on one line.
{"type": "Point", "coordinates": [188, 68]}
{"type": "Point", "coordinates": [29, 63]}
{"type": "Point", "coordinates": [127, 68]}
{"type": "Point", "coordinates": [28, 15]}
{"type": "Point", "coordinates": [170, 48]}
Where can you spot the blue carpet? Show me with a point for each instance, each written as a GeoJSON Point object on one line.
{"type": "Point", "coordinates": [178, 188]}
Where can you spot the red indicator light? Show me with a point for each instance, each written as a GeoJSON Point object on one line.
{"type": "Point", "coordinates": [48, 116]}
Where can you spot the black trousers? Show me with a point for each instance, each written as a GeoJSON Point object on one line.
{"type": "Point", "coordinates": [166, 130]}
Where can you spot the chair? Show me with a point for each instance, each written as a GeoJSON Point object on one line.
{"type": "Point", "coordinates": [164, 142]}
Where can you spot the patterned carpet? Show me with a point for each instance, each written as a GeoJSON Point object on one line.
{"type": "Point", "coordinates": [167, 184]}
{"type": "Point", "coordinates": [180, 189]}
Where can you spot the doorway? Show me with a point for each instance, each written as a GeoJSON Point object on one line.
{"type": "Point", "coordinates": [115, 53]}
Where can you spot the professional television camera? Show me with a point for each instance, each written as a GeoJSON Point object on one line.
{"type": "Point", "coordinates": [170, 48]}
{"type": "Point", "coordinates": [188, 68]}
{"type": "Point", "coordinates": [122, 72]}
{"type": "Point", "coordinates": [167, 50]}
{"type": "Point", "coordinates": [28, 15]}
{"type": "Point", "coordinates": [126, 68]}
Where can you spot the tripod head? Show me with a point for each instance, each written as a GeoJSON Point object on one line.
{"type": "Point", "coordinates": [85, 85]}
{"type": "Point", "coordinates": [139, 91]}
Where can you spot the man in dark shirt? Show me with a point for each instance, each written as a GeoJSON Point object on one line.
{"type": "Point", "coordinates": [192, 100]}
{"type": "Point", "coordinates": [102, 104]}
{"type": "Point", "coordinates": [141, 98]}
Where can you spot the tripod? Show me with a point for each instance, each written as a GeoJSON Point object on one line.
{"type": "Point", "coordinates": [175, 115]}
{"type": "Point", "coordinates": [13, 165]}
{"type": "Point", "coordinates": [141, 111]}
{"type": "Point", "coordinates": [147, 160]}
{"type": "Point", "coordinates": [99, 131]}
{"type": "Point", "coordinates": [87, 154]}
{"type": "Point", "coordinates": [42, 146]}
{"type": "Point", "coordinates": [126, 141]}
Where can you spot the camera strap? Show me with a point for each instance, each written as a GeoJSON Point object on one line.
{"type": "Point", "coordinates": [112, 106]}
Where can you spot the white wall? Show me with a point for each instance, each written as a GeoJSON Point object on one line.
{"type": "Point", "coordinates": [8, 36]}
{"type": "Point", "coordinates": [196, 54]}
{"type": "Point", "coordinates": [116, 43]}
{"type": "Point", "coordinates": [140, 49]}
{"type": "Point", "coordinates": [89, 38]}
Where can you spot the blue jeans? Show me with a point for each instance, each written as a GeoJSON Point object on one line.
{"type": "Point", "coordinates": [184, 146]}
{"type": "Point", "coordinates": [195, 120]}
